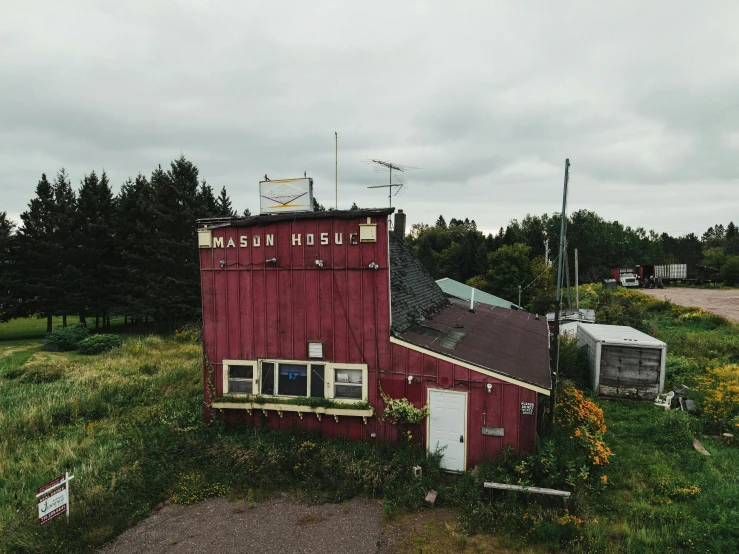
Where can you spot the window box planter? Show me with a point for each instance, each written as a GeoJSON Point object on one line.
{"type": "Point", "coordinates": [280, 408]}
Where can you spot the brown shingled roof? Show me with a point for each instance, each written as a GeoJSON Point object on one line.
{"type": "Point", "coordinates": [505, 341]}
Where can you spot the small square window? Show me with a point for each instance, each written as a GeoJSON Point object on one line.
{"type": "Point", "coordinates": [348, 384]}
{"type": "Point", "coordinates": [240, 378]}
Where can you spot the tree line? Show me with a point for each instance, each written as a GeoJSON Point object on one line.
{"type": "Point", "coordinates": [517, 254]}
{"type": "Point", "coordinates": [91, 253]}
{"type": "Point", "coordinates": [95, 254]}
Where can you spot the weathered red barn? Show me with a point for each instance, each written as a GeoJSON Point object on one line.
{"type": "Point", "coordinates": [334, 305]}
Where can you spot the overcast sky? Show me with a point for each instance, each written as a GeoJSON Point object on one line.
{"type": "Point", "coordinates": [486, 98]}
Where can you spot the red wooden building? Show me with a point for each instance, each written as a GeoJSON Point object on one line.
{"type": "Point", "coordinates": [334, 305]}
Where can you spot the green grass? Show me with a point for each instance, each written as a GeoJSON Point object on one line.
{"type": "Point", "coordinates": [129, 425]}
{"type": "Point", "coordinates": [32, 327]}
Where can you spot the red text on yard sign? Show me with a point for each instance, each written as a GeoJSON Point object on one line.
{"type": "Point", "coordinates": [52, 504]}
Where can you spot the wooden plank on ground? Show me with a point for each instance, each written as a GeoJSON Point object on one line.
{"type": "Point", "coordinates": [535, 490]}
{"type": "Point", "coordinates": [700, 448]}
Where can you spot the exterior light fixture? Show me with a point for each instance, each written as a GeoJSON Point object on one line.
{"type": "Point", "coordinates": [223, 263]}
{"type": "Point", "coordinates": [271, 261]}
{"type": "Point", "coordinates": [489, 386]}
{"type": "Point", "coordinates": [319, 263]}
{"type": "Point", "coordinates": [373, 265]}
{"type": "Point", "coordinates": [410, 379]}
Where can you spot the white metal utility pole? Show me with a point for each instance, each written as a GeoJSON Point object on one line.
{"type": "Point", "coordinates": [336, 181]}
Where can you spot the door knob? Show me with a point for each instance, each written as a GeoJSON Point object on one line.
{"type": "Point", "coordinates": [461, 438]}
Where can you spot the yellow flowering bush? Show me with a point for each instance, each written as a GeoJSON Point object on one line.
{"type": "Point", "coordinates": [586, 421]}
{"type": "Point", "coordinates": [718, 389]}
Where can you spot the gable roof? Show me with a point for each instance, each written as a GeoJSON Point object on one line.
{"type": "Point", "coordinates": [414, 295]}
{"type": "Point", "coordinates": [459, 290]}
{"type": "Point", "coordinates": [509, 343]}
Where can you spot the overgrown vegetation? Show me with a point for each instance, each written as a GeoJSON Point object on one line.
{"type": "Point", "coordinates": [128, 423]}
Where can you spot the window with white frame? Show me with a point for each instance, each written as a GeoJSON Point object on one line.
{"type": "Point", "coordinates": [239, 377]}
{"type": "Point", "coordinates": [347, 382]}
{"type": "Point", "coordinates": [296, 378]}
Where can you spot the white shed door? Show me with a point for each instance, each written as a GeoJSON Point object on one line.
{"type": "Point", "coordinates": [447, 427]}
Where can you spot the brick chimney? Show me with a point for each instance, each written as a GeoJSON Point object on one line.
{"type": "Point", "coordinates": [399, 227]}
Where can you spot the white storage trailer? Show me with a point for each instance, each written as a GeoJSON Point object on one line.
{"type": "Point", "coordinates": [623, 362]}
{"type": "Point", "coordinates": [671, 271]}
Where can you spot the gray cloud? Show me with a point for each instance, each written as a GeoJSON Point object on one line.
{"type": "Point", "coordinates": [487, 98]}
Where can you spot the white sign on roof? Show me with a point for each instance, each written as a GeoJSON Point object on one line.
{"type": "Point", "coordinates": [286, 195]}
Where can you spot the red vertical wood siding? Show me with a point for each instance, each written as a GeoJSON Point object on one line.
{"type": "Point", "coordinates": [257, 309]}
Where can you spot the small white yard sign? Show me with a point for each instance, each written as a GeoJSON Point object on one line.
{"type": "Point", "coordinates": [53, 499]}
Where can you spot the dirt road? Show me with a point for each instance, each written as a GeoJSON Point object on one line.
{"type": "Point", "coordinates": [721, 302]}
{"type": "Point", "coordinates": [276, 526]}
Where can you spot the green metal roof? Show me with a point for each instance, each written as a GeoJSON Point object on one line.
{"type": "Point", "coordinates": [455, 289]}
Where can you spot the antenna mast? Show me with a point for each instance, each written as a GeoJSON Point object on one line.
{"type": "Point", "coordinates": [381, 166]}
{"type": "Point", "coordinates": [336, 183]}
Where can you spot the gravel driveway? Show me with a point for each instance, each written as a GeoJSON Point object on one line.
{"type": "Point", "coordinates": [276, 526]}
{"type": "Point", "coordinates": [722, 302]}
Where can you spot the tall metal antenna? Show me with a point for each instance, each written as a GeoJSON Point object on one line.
{"type": "Point", "coordinates": [399, 184]}
{"type": "Point", "coordinates": [336, 182]}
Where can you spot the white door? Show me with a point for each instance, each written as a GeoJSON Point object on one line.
{"type": "Point", "coordinates": [447, 427]}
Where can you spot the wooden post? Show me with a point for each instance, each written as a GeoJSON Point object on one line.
{"type": "Point", "coordinates": [577, 286]}
{"type": "Point", "coordinates": [558, 296]}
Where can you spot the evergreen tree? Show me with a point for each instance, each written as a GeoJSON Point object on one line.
{"type": "Point", "coordinates": [137, 244]}
{"type": "Point", "coordinates": [247, 213]}
{"type": "Point", "coordinates": [207, 201]}
{"type": "Point", "coordinates": [175, 286]}
{"type": "Point", "coordinates": [317, 206]}
{"type": "Point", "coordinates": [66, 239]}
{"type": "Point", "coordinates": [441, 222]}
{"type": "Point", "coordinates": [354, 207]}
{"type": "Point", "coordinates": [97, 256]}
{"type": "Point", "coordinates": [39, 285]}
{"type": "Point", "coordinates": [731, 230]}
{"type": "Point", "coordinates": [223, 204]}
{"type": "Point", "coordinates": [10, 305]}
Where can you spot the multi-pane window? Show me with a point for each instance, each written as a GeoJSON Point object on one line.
{"type": "Point", "coordinates": [296, 378]}
{"type": "Point", "coordinates": [239, 377]}
{"type": "Point", "coordinates": [348, 383]}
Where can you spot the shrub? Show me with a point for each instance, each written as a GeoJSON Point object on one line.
{"type": "Point", "coordinates": [188, 333]}
{"type": "Point", "coordinates": [100, 343]}
{"type": "Point", "coordinates": [573, 362]}
{"type": "Point", "coordinates": [730, 270]}
{"type": "Point", "coordinates": [620, 308]}
{"type": "Point", "coordinates": [718, 391]}
{"type": "Point", "coordinates": [587, 423]}
{"type": "Point", "coordinates": [69, 337]}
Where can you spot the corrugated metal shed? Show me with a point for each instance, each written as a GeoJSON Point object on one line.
{"type": "Point", "coordinates": [455, 289]}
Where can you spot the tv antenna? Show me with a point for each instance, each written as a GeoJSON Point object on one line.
{"type": "Point", "coordinates": [399, 184]}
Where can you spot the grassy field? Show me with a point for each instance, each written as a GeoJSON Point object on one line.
{"type": "Point", "coordinates": [129, 425]}
{"type": "Point", "coordinates": [32, 327]}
